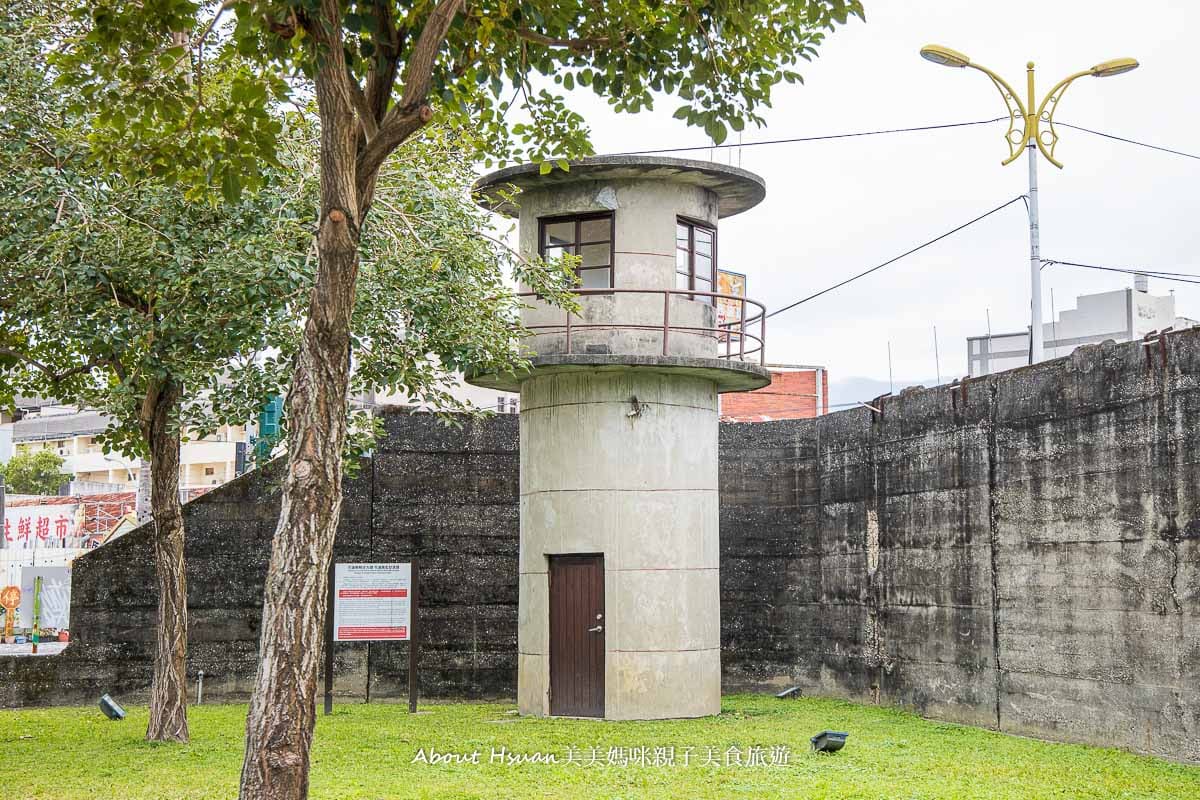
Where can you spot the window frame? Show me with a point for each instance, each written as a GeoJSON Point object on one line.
{"type": "Point", "coordinates": [692, 225]}
{"type": "Point", "coordinates": [575, 246]}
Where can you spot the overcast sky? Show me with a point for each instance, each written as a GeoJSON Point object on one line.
{"type": "Point", "coordinates": [837, 208]}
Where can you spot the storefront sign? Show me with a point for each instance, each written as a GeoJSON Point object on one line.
{"type": "Point", "coordinates": [41, 526]}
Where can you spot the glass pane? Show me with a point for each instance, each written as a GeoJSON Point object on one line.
{"type": "Point", "coordinates": [703, 285]}
{"type": "Point", "coordinates": [704, 241]}
{"type": "Point", "coordinates": [559, 233]}
{"type": "Point", "coordinates": [595, 278]}
{"type": "Point", "coordinates": [595, 230]}
{"type": "Point", "coordinates": [595, 255]}
{"type": "Point", "coordinates": [704, 267]}
{"type": "Point", "coordinates": [681, 236]}
{"type": "Point", "coordinates": [555, 253]}
{"type": "Point", "coordinates": [681, 260]}
{"type": "Point", "coordinates": [681, 281]}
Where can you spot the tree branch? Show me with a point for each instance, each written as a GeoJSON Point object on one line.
{"type": "Point", "coordinates": [412, 112]}
{"type": "Point", "coordinates": [362, 109]}
{"type": "Point", "coordinates": [579, 45]}
{"type": "Point", "coordinates": [52, 376]}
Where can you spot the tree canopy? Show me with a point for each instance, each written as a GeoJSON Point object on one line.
{"type": "Point", "coordinates": [38, 472]}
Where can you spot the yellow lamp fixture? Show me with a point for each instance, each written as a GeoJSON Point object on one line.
{"type": "Point", "coordinates": [1025, 118]}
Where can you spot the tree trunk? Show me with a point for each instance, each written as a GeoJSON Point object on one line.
{"type": "Point", "coordinates": [168, 691]}
{"type": "Point", "coordinates": [282, 714]}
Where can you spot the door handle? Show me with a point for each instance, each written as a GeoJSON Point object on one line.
{"type": "Point", "coordinates": [596, 629]}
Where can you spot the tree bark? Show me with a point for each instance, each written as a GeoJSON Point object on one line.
{"type": "Point", "coordinates": [168, 690]}
{"type": "Point", "coordinates": [279, 726]}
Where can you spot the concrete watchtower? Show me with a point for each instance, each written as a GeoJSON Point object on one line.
{"type": "Point", "coordinates": [619, 583]}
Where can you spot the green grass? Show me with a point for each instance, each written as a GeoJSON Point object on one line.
{"type": "Point", "coordinates": [367, 751]}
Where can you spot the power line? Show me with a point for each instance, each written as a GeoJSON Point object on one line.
{"type": "Point", "coordinates": [1128, 141]}
{"type": "Point", "coordinates": [894, 259]}
{"type": "Point", "coordinates": [1181, 277]}
{"type": "Point", "coordinates": [815, 138]}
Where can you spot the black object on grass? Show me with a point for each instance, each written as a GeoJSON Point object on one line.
{"type": "Point", "coordinates": [111, 708]}
{"type": "Point", "coordinates": [789, 694]}
{"type": "Point", "coordinates": [829, 741]}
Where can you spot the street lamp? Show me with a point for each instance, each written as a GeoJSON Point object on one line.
{"type": "Point", "coordinates": [1025, 133]}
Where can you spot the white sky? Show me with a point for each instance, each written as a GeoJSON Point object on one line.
{"type": "Point", "coordinates": [836, 208]}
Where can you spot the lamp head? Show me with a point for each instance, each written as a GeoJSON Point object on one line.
{"type": "Point", "coordinates": [1113, 66]}
{"type": "Point", "coordinates": [944, 56]}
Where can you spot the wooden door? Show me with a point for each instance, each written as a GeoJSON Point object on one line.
{"type": "Point", "coordinates": [577, 636]}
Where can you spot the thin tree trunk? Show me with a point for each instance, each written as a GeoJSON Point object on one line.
{"type": "Point", "coordinates": [168, 691]}
{"type": "Point", "coordinates": [279, 726]}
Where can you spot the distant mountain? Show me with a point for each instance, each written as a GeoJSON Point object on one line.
{"type": "Point", "coordinates": [844, 393]}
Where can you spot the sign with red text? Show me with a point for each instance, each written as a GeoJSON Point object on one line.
{"type": "Point", "coordinates": [41, 526]}
{"type": "Point", "coordinates": [372, 602]}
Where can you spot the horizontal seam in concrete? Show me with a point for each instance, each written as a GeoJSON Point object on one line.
{"type": "Point", "coordinates": [644, 403]}
{"type": "Point", "coordinates": [636, 491]}
{"type": "Point", "coordinates": [664, 569]}
{"type": "Point", "coordinates": [683, 650]}
{"type": "Point", "coordinates": [1079, 678]}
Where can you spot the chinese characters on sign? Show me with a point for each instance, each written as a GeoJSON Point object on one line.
{"type": "Point", "coordinates": [45, 526]}
{"type": "Point", "coordinates": [371, 602]}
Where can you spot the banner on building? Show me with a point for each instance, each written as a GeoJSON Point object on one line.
{"type": "Point", "coordinates": [371, 602]}
{"type": "Point", "coordinates": [729, 311]}
{"type": "Point", "coordinates": [39, 526]}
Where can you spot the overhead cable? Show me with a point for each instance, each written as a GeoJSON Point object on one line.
{"type": "Point", "coordinates": [894, 259]}
{"type": "Point", "coordinates": [1128, 141]}
{"type": "Point", "coordinates": [815, 138]}
{"type": "Point", "coordinates": [1180, 277]}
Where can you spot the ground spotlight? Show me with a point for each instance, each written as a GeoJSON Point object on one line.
{"type": "Point", "coordinates": [111, 708]}
{"type": "Point", "coordinates": [829, 741]}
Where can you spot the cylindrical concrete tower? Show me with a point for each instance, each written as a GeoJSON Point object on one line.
{"type": "Point", "coordinates": [619, 564]}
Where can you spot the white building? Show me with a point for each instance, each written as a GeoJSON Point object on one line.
{"type": "Point", "coordinates": [1122, 315]}
{"type": "Point", "coordinates": [71, 433]}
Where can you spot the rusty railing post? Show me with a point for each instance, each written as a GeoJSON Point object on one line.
{"type": "Point", "coordinates": [568, 332]}
{"type": "Point", "coordinates": [742, 335]}
{"type": "Point", "coordinates": [666, 319]}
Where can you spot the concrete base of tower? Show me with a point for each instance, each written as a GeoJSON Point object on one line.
{"type": "Point", "coordinates": [620, 466]}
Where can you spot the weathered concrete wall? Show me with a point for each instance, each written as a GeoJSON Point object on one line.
{"type": "Point", "coordinates": [446, 495]}
{"type": "Point", "coordinates": [1023, 553]}
{"type": "Point", "coordinates": [1020, 553]}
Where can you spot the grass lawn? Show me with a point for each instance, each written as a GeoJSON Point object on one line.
{"type": "Point", "coordinates": [368, 751]}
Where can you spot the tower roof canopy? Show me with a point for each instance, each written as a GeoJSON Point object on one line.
{"type": "Point", "coordinates": [737, 189]}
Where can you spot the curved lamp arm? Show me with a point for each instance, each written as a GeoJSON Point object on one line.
{"type": "Point", "coordinates": [1017, 114]}
{"type": "Point", "coordinates": [1047, 140]}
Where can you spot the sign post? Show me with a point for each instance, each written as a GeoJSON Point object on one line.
{"type": "Point", "coordinates": [37, 610]}
{"type": "Point", "coordinates": [371, 603]}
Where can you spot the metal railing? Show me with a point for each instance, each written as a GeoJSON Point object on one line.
{"type": "Point", "coordinates": [733, 335]}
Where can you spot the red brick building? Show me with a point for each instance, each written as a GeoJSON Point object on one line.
{"type": "Point", "coordinates": [796, 392]}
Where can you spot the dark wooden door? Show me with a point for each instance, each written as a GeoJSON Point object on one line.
{"type": "Point", "coordinates": [577, 636]}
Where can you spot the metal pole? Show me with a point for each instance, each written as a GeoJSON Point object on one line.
{"type": "Point", "coordinates": [329, 639]}
{"type": "Point", "coordinates": [412, 637]}
{"type": "Point", "coordinates": [1036, 347]}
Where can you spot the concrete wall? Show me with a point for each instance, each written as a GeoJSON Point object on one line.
{"type": "Point", "coordinates": [1023, 553]}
